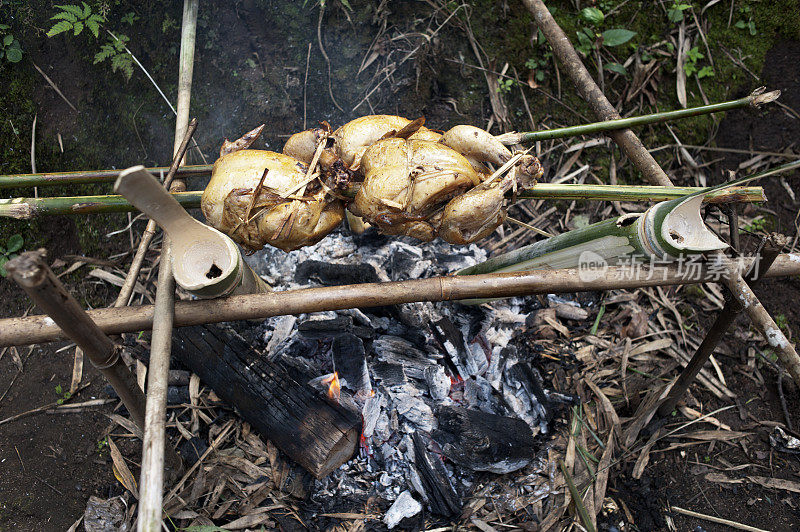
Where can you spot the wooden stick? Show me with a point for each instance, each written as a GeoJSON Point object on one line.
{"type": "Point", "coordinates": [31, 272]}
{"type": "Point", "coordinates": [719, 520]}
{"type": "Point", "coordinates": [764, 322]}
{"type": "Point", "coordinates": [152, 476]}
{"type": "Point", "coordinates": [36, 329]}
{"type": "Point", "coordinates": [589, 91]}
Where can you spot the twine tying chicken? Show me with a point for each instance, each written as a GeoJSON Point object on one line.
{"type": "Point", "coordinates": [411, 181]}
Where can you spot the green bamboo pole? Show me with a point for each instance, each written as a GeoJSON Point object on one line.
{"type": "Point", "coordinates": [756, 98]}
{"type": "Point", "coordinates": [667, 230]}
{"type": "Point", "coordinates": [89, 176]}
{"type": "Point", "coordinates": [28, 208]}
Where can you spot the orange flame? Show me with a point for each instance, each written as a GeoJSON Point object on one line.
{"type": "Point", "coordinates": [334, 388]}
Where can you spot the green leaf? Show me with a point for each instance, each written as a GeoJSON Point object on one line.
{"type": "Point", "coordinates": [694, 54]}
{"type": "Point", "coordinates": [105, 52]}
{"type": "Point", "coordinates": [3, 260]}
{"type": "Point", "coordinates": [69, 17]}
{"type": "Point", "coordinates": [615, 67]}
{"type": "Point", "coordinates": [71, 8]}
{"type": "Point", "coordinates": [86, 10]}
{"type": "Point", "coordinates": [8, 39]}
{"type": "Point", "coordinates": [14, 243]}
{"type": "Point", "coordinates": [59, 27]}
{"type": "Point", "coordinates": [705, 72]}
{"type": "Point", "coordinates": [4, 26]}
{"type": "Point", "coordinates": [78, 27]}
{"type": "Point", "coordinates": [346, 4]}
{"type": "Point", "coordinates": [616, 37]}
{"type": "Point", "coordinates": [741, 24]}
{"type": "Point", "coordinates": [14, 54]}
{"type": "Point", "coordinates": [592, 15]}
{"type": "Point", "coordinates": [752, 27]}
{"type": "Point", "coordinates": [94, 27]}
{"type": "Point", "coordinates": [58, 389]}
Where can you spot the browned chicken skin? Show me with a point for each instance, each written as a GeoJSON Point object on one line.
{"type": "Point", "coordinates": [415, 182]}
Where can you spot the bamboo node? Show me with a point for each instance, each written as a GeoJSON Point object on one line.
{"type": "Point", "coordinates": [759, 97]}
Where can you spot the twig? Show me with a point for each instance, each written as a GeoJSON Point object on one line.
{"type": "Point", "coordinates": [718, 520]}
{"type": "Point", "coordinates": [53, 85]}
{"type": "Point", "coordinates": [782, 397]}
{"type": "Point", "coordinates": [305, 87]}
{"type": "Point", "coordinates": [325, 54]}
{"type": "Point", "coordinates": [33, 152]}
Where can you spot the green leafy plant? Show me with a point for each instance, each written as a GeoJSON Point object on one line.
{"type": "Point", "coordinates": [64, 396]}
{"type": "Point", "coordinates": [675, 13]}
{"type": "Point", "coordinates": [75, 18]}
{"type": "Point", "coordinates": [590, 38]}
{"type": "Point", "coordinates": [102, 445]}
{"type": "Point", "coordinates": [538, 66]}
{"type": "Point", "coordinates": [746, 20]}
{"type": "Point", "coordinates": [114, 50]}
{"type": "Point", "coordinates": [504, 85]}
{"type": "Point", "coordinates": [592, 15]}
{"type": "Point", "coordinates": [690, 67]}
{"type": "Point", "coordinates": [9, 46]}
{"type": "Point", "coordinates": [9, 251]}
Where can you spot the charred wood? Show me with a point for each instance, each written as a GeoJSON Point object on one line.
{"type": "Point", "coordinates": [317, 434]}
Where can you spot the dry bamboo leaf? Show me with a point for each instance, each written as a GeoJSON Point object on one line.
{"type": "Point", "coordinates": [483, 525]}
{"type": "Point", "coordinates": [127, 424]}
{"type": "Point", "coordinates": [777, 483]}
{"type": "Point", "coordinates": [77, 370]}
{"type": "Point", "coordinates": [251, 520]}
{"type": "Point", "coordinates": [120, 468]}
{"type": "Point", "coordinates": [608, 409]}
{"type": "Point", "coordinates": [644, 456]}
{"type": "Point", "coordinates": [691, 413]}
{"type": "Point", "coordinates": [714, 435]}
{"type": "Point", "coordinates": [603, 469]}
{"type": "Point", "coordinates": [116, 280]}
{"type": "Point", "coordinates": [655, 345]}
{"type": "Point", "coordinates": [194, 394]}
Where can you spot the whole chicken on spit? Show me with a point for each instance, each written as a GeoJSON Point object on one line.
{"type": "Point", "coordinates": [413, 181]}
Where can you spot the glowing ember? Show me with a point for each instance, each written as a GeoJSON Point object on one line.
{"type": "Point", "coordinates": [334, 388]}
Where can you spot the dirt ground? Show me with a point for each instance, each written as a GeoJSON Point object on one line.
{"type": "Point", "coordinates": [50, 463]}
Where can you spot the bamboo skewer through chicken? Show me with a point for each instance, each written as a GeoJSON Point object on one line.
{"type": "Point", "coordinates": [415, 182]}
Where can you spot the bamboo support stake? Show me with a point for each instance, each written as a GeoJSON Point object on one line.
{"type": "Point", "coordinates": [589, 91]}
{"type": "Point", "coordinates": [152, 476]}
{"type": "Point", "coordinates": [37, 329]}
{"type": "Point", "coordinates": [764, 322]}
{"type": "Point", "coordinates": [730, 311]}
{"type": "Point", "coordinates": [29, 208]}
{"type": "Point", "coordinates": [757, 98]}
{"type": "Point", "coordinates": [31, 272]}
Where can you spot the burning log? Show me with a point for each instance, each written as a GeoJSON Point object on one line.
{"type": "Point", "coordinates": [315, 432]}
{"type": "Point", "coordinates": [483, 442]}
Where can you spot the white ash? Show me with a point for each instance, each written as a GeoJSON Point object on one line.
{"type": "Point", "coordinates": [405, 506]}
{"type": "Point", "coordinates": [412, 371]}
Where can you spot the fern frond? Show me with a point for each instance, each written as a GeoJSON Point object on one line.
{"type": "Point", "coordinates": [86, 10]}
{"type": "Point", "coordinates": [78, 27]}
{"type": "Point", "coordinates": [122, 62]}
{"type": "Point", "coordinates": [94, 27]}
{"type": "Point", "coordinates": [71, 8]}
{"type": "Point", "coordinates": [105, 52]}
{"type": "Point", "coordinates": [70, 17]}
{"type": "Point", "coordinates": [96, 17]}
{"type": "Point", "coordinates": [59, 27]}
